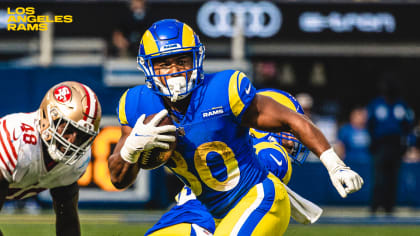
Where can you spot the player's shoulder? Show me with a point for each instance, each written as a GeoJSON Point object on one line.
{"type": "Point", "coordinates": [136, 101]}
{"type": "Point", "coordinates": [272, 92]}
{"type": "Point", "coordinates": [15, 120]}
{"type": "Point", "coordinates": [135, 93]}
{"type": "Point", "coordinates": [223, 77]}
{"type": "Point", "coordinates": [233, 83]}
{"type": "Point", "coordinates": [19, 116]}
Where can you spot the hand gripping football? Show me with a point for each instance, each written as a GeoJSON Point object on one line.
{"type": "Point", "coordinates": [157, 157]}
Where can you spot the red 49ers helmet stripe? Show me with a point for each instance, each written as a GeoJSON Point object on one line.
{"type": "Point", "coordinates": [92, 105]}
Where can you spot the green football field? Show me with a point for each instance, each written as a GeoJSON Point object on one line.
{"type": "Point", "coordinates": [117, 225]}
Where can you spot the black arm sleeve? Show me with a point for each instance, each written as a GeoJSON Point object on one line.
{"type": "Point", "coordinates": [65, 193]}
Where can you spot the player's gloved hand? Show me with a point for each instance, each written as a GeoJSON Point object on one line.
{"type": "Point", "coordinates": [343, 178]}
{"type": "Point", "coordinates": [144, 137]}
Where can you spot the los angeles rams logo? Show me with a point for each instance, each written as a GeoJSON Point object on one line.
{"type": "Point", "coordinates": [216, 111]}
{"type": "Point", "coordinates": [62, 94]}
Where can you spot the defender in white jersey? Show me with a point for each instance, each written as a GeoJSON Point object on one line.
{"type": "Point", "coordinates": [50, 149]}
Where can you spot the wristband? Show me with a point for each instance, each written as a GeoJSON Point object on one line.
{"type": "Point", "coordinates": [331, 160]}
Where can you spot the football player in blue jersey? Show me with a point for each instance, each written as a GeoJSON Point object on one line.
{"type": "Point", "coordinates": [212, 114]}
{"type": "Point", "coordinates": [276, 151]}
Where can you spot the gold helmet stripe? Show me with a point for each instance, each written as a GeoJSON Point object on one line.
{"type": "Point", "coordinates": [149, 43]}
{"type": "Point", "coordinates": [187, 37]}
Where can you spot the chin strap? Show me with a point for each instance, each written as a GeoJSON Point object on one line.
{"type": "Point", "coordinates": [174, 85]}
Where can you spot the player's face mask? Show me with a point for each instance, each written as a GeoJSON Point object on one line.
{"type": "Point", "coordinates": [175, 85]}
{"type": "Point", "coordinates": [68, 140]}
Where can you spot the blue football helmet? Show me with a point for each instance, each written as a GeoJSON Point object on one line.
{"type": "Point", "coordinates": [298, 152]}
{"type": "Point", "coordinates": [165, 38]}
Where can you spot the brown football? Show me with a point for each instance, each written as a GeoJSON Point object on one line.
{"type": "Point", "coordinates": [156, 157]}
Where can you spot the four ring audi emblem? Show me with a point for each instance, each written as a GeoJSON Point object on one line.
{"type": "Point", "coordinates": [261, 19]}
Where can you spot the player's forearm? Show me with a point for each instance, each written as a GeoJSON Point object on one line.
{"type": "Point", "coordinates": [67, 218]}
{"type": "Point", "coordinates": [266, 114]}
{"type": "Point", "coordinates": [310, 135]}
{"type": "Point", "coordinates": [4, 188]}
{"type": "Point", "coordinates": [123, 173]}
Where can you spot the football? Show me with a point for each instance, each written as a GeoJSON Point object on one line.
{"type": "Point", "coordinates": [156, 157]}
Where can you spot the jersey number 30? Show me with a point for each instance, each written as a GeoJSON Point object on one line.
{"type": "Point", "coordinates": [205, 174]}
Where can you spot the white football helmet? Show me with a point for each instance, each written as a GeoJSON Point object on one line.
{"type": "Point", "coordinates": [67, 108]}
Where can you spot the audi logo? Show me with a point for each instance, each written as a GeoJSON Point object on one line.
{"type": "Point", "coordinates": [260, 19]}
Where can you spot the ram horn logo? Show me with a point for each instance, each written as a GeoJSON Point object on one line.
{"type": "Point", "coordinates": [262, 19]}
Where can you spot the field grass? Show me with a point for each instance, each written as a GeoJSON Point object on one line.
{"type": "Point", "coordinates": [87, 229]}
{"type": "Point", "coordinates": [113, 225]}
{"type": "Point", "coordinates": [122, 229]}
{"type": "Point", "coordinates": [92, 224]}
{"type": "Point", "coordinates": [347, 230]}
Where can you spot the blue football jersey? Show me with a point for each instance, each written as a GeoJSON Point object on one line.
{"type": "Point", "coordinates": [214, 155]}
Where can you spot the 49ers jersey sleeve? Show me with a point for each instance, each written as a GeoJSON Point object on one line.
{"type": "Point", "coordinates": [14, 131]}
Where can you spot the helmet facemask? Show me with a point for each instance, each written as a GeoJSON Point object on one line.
{"type": "Point", "coordinates": [59, 148]}
{"type": "Point", "coordinates": [180, 84]}
{"type": "Point", "coordinates": [296, 150]}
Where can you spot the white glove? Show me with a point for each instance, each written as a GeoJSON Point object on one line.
{"type": "Point", "coordinates": [342, 177]}
{"type": "Point", "coordinates": [144, 137]}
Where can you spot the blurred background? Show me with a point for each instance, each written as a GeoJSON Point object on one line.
{"type": "Point", "coordinates": [336, 57]}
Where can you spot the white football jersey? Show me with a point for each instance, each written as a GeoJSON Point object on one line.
{"type": "Point", "coordinates": [22, 162]}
